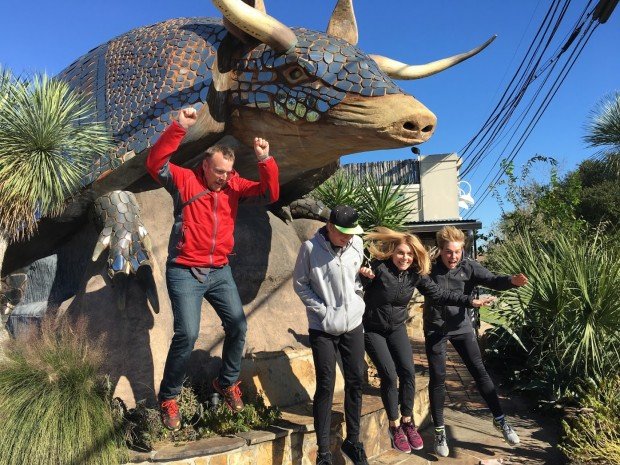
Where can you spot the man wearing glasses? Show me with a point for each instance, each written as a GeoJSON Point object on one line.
{"type": "Point", "coordinates": [205, 207]}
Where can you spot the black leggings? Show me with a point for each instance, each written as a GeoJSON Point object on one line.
{"type": "Point", "coordinates": [392, 355]}
{"type": "Point", "coordinates": [324, 349]}
{"type": "Point", "coordinates": [467, 347]}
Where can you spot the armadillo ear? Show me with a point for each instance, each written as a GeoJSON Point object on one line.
{"type": "Point", "coordinates": [342, 24]}
{"type": "Point", "coordinates": [247, 20]}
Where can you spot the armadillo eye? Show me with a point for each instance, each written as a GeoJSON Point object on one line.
{"type": "Point", "coordinates": [295, 75]}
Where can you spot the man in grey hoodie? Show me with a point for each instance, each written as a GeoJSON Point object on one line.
{"type": "Point", "coordinates": [326, 278]}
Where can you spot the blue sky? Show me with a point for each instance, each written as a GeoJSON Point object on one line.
{"type": "Point", "coordinates": [48, 36]}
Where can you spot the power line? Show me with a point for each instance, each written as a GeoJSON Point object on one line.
{"type": "Point", "coordinates": [504, 122]}
{"type": "Point", "coordinates": [581, 43]}
{"type": "Point", "coordinates": [513, 95]}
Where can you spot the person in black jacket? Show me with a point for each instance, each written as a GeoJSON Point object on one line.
{"type": "Point", "coordinates": [401, 264]}
{"type": "Point", "coordinates": [452, 323]}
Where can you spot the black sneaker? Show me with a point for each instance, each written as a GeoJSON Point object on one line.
{"type": "Point", "coordinates": [355, 452]}
{"type": "Point", "coordinates": [324, 459]}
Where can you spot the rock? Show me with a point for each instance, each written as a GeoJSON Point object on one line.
{"type": "Point", "coordinates": [136, 340]}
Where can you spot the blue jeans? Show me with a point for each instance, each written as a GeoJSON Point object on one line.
{"type": "Point", "coordinates": [186, 294]}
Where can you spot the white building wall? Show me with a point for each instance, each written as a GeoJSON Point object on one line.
{"type": "Point", "coordinates": [439, 187]}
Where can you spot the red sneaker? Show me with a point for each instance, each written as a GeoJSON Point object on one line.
{"type": "Point", "coordinates": [231, 394]}
{"type": "Point", "coordinates": [414, 438]}
{"type": "Point", "coordinates": [170, 416]}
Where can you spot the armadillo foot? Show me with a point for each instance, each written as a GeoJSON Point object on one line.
{"type": "Point", "coordinates": [117, 214]}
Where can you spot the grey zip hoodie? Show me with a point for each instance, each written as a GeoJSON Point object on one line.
{"type": "Point", "coordinates": [328, 283]}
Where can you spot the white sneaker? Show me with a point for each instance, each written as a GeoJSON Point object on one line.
{"type": "Point", "coordinates": [509, 434]}
{"type": "Point", "coordinates": [441, 444]}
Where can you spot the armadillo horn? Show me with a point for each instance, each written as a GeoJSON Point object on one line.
{"type": "Point", "coordinates": [260, 5]}
{"type": "Point", "coordinates": [397, 70]}
{"type": "Point", "coordinates": [259, 25]}
{"type": "Point", "coordinates": [342, 24]}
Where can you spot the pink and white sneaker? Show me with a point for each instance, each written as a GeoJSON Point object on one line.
{"type": "Point", "coordinates": [399, 440]}
{"type": "Point", "coordinates": [413, 437]}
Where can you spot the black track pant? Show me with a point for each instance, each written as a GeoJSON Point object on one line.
{"type": "Point", "coordinates": [392, 355]}
{"type": "Point", "coordinates": [324, 349]}
{"type": "Point", "coordinates": [467, 347]}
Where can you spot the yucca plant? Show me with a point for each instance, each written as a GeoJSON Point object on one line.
{"type": "Point", "coordinates": [384, 205]}
{"type": "Point", "coordinates": [603, 129]}
{"type": "Point", "coordinates": [339, 189]}
{"type": "Point", "coordinates": [377, 204]}
{"type": "Point", "coordinates": [48, 141]}
{"type": "Point", "coordinates": [568, 317]}
{"type": "Point", "coordinates": [603, 132]}
{"type": "Point", "coordinates": [53, 402]}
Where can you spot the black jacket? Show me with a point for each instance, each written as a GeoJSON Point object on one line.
{"type": "Point", "coordinates": [387, 296]}
{"type": "Point", "coordinates": [452, 319]}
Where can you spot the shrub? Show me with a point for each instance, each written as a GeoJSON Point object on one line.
{"type": "Point", "coordinates": [142, 426]}
{"type": "Point", "coordinates": [568, 317]}
{"type": "Point", "coordinates": [53, 402]}
{"type": "Point", "coordinates": [593, 434]}
{"type": "Point", "coordinates": [255, 415]}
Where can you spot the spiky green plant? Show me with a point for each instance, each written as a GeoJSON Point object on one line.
{"type": "Point", "coordinates": [339, 189]}
{"type": "Point", "coordinates": [48, 141]}
{"type": "Point", "coordinates": [603, 131]}
{"type": "Point", "coordinates": [377, 204]}
{"type": "Point", "coordinates": [384, 204]}
{"type": "Point", "coordinates": [53, 402]}
{"type": "Point", "coordinates": [568, 317]}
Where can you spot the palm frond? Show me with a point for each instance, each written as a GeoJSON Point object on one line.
{"type": "Point", "coordinates": [603, 129]}
{"type": "Point", "coordinates": [568, 317]}
{"type": "Point", "coordinates": [384, 204]}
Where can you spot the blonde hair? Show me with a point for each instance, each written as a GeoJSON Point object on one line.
{"type": "Point", "coordinates": [382, 243]}
{"type": "Point", "coordinates": [449, 234]}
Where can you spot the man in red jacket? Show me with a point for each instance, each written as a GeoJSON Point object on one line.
{"type": "Point", "coordinates": [205, 207]}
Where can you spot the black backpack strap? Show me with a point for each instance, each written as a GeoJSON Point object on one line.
{"type": "Point", "coordinates": [193, 199]}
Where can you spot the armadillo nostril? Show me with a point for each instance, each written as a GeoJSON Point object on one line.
{"type": "Point", "coordinates": [409, 126]}
{"type": "Point", "coordinates": [428, 128]}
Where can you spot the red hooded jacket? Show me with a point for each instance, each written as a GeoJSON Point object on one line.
{"type": "Point", "coordinates": [202, 233]}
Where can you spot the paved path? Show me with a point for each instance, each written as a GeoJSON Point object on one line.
{"type": "Point", "coordinates": [471, 435]}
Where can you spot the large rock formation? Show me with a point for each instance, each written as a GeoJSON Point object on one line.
{"type": "Point", "coordinates": [137, 338]}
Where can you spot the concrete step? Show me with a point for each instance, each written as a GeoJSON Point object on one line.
{"type": "Point", "coordinates": [287, 378]}
{"type": "Point", "coordinates": [283, 378]}
{"type": "Point", "coordinates": [293, 440]}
